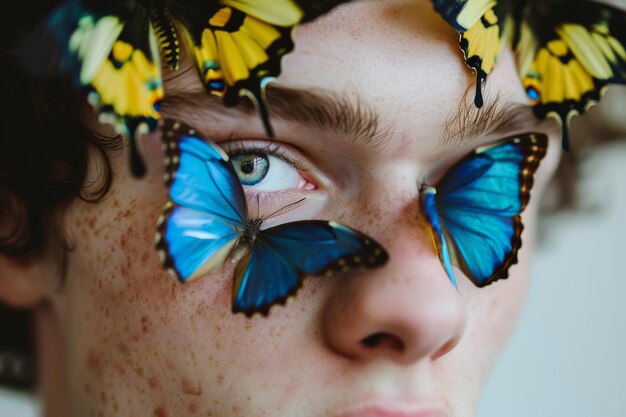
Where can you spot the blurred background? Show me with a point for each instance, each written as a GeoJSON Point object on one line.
{"type": "Point", "coordinates": [568, 354]}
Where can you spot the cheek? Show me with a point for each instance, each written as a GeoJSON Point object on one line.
{"type": "Point", "coordinates": [138, 338]}
{"type": "Point", "coordinates": [114, 238]}
{"type": "Point", "coordinates": [129, 324]}
{"type": "Point", "coordinates": [495, 309]}
{"type": "Point", "coordinates": [494, 312]}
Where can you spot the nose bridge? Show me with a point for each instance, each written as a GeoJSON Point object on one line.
{"type": "Point", "coordinates": [389, 207]}
{"type": "Point", "coordinates": [405, 311]}
{"type": "Point", "coordinates": [399, 225]}
{"type": "Point", "coordinates": [407, 231]}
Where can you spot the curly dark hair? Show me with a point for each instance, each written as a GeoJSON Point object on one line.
{"type": "Point", "coordinates": [44, 143]}
{"type": "Point", "coordinates": [45, 146]}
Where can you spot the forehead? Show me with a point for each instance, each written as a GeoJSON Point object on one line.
{"type": "Point", "coordinates": [400, 60]}
{"type": "Point", "coordinates": [388, 49]}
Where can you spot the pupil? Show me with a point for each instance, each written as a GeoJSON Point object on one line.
{"type": "Point", "coordinates": [247, 166]}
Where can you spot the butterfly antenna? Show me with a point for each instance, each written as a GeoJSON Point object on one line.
{"type": "Point", "coordinates": [258, 207]}
{"type": "Point", "coordinates": [284, 208]}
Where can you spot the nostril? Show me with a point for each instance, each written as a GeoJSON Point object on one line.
{"type": "Point", "coordinates": [373, 340]}
{"type": "Point", "coordinates": [382, 340]}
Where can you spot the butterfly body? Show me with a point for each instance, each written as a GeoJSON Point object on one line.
{"type": "Point", "coordinates": [167, 36]}
{"type": "Point", "coordinates": [250, 235]}
{"type": "Point", "coordinates": [207, 223]}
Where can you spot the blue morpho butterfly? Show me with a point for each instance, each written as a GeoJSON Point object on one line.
{"type": "Point", "coordinates": [206, 223]}
{"type": "Point", "coordinates": [474, 212]}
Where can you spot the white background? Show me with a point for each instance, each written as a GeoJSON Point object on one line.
{"type": "Point", "coordinates": [567, 357]}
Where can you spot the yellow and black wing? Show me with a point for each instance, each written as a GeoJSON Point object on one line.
{"type": "Point", "coordinates": [483, 28]}
{"type": "Point", "coordinates": [463, 14]}
{"type": "Point", "coordinates": [127, 87]}
{"type": "Point", "coordinates": [568, 53]}
{"type": "Point", "coordinates": [110, 50]}
{"type": "Point", "coordinates": [312, 9]}
{"type": "Point", "coordinates": [238, 46]}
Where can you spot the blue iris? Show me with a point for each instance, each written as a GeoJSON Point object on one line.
{"type": "Point", "coordinates": [251, 167]}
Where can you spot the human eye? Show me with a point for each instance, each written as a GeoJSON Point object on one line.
{"type": "Point", "coordinates": [273, 172]}
{"type": "Point", "coordinates": [266, 166]}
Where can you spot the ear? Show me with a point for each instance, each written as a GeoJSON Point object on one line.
{"type": "Point", "coordinates": [22, 284]}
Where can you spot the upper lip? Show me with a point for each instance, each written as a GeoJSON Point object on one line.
{"type": "Point", "coordinates": [396, 410]}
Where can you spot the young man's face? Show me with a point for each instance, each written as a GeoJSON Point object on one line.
{"type": "Point", "coordinates": [139, 343]}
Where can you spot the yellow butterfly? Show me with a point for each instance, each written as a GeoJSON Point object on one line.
{"type": "Point", "coordinates": [238, 46]}
{"type": "Point", "coordinates": [113, 52]}
{"type": "Point", "coordinates": [567, 51]}
{"type": "Point", "coordinates": [567, 70]}
{"type": "Point", "coordinates": [483, 31]}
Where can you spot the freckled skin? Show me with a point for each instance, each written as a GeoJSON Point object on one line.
{"type": "Point", "coordinates": [137, 342]}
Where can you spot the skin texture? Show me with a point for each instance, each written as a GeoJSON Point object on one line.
{"type": "Point", "coordinates": [132, 341]}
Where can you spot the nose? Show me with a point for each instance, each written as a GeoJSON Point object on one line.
{"type": "Point", "coordinates": [405, 311]}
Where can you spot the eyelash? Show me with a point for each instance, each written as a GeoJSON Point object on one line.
{"type": "Point", "coordinates": [269, 201]}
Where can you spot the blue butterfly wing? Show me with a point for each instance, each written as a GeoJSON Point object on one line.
{"type": "Point", "coordinates": [429, 205]}
{"type": "Point", "coordinates": [195, 243]}
{"type": "Point", "coordinates": [263, 278]}
{"type": "Point", "coordinates": [204, 180]}
{"type": "Point", "coordinates": [284, 254]}
{"type": "Point", "coordinates": [317, 247]}
{"type": "Point", "coordinates": [207, 211]}
{"type": "Point", "coordinates": [484, 249]}
{"type": "Point", "coordinates": [479, 203]}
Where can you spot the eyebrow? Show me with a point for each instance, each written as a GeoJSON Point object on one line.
{"type": "Point", "coordinates": [328, 111]}
{"type": "Point", "coordinates": [497, 116]}
{"type": "Point", "coordinates": [315, 107]}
